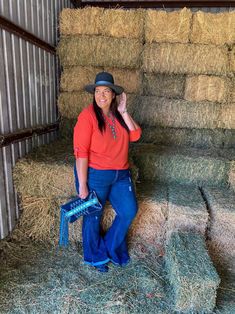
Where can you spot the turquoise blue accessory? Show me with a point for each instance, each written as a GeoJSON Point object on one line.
{"type": "Point", "coordinates": [74, 209]}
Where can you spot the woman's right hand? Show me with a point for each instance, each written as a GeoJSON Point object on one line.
{"type": "Point", "coordinates": [83, 191]}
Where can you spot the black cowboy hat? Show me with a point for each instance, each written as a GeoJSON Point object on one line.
{"type": "Point", "coordinates": [104, 79]}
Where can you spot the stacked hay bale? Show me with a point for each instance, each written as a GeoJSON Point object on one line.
{"type": "Point", "coordinates": [221, 203]}
{"type": "Point", "coordinates": [188, 85]}
{"type": "Point", "coordinates": [191, 273]}
{"type": "Point", "coordinates": [111, 42]}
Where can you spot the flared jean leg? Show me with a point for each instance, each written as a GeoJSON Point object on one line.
{"type": "Point", "coordinates": [94, 249]}
{"type": "Point", "coordinates": [123, 199]}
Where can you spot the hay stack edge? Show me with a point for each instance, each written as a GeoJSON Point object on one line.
{"type": "Point", "coordinates": [178, 70]}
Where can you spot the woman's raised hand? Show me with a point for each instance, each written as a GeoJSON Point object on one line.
{"type": "Point", "coordinates": [122, 103]}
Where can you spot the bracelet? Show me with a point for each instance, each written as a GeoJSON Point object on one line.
{"type": "Point", "coordinates": [125, 110]}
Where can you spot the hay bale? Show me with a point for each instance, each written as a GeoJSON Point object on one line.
{"type": "Point", "coordinates": [216, 29]}
{"type": "Point", "coordinates": [163, 85]}
{"type": "Point", "coordinates": [221, 204]}
{"type": "Point", "coordinates": [177, 113]}
{"type": "Point", "coordinates": [186, 210]}
{"type": "Point", "coordinates": [191, 273]}
{"type": "Point", "coordinates": [227, 119]}
{"type": "Point", "coordinates": [232, 60]}
{"type": "Point", "coordinates": [185, 58]}
{"type": "Point", "coordinates": [232, 175]}
{"type": "Point", "coordinates": [181, 165]}
{"type": "Point", "coordinates": [232, 94]}
{"type": "Point", "coordinates": [99, 51]}
{"type": "Point", "coordinates": [121, 23]}
{"type": "Point", "coordinates": [71, 104]}
{"type": "Point", "coordinates": [117, 23]}
{"type": "Point", "coordinates": [149, 224]}
{"type": "Point", "coordinates": [75, 78]}
{"type": "Point", "coordinates": [44, 181]}
{"type": "Point", "coordinates": [204, 87]}
{"type": "Point", "coordinates": [198, 138]}
{"type": "Point", "coordinates": [162, 26]}
{"type": "Point", "coordinates": [78, 22]}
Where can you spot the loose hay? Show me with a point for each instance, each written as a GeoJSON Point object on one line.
{"type": "Point", "coordinates": [75, 78]}
{"type": "Point", "coordinates": [204, 87]}
{"type": "Point", "coordinates": [186, 210]}
{"type": "Point", "coordinates": [181, 165]}
{"type": "Point", "coordinates": [178, 113]}
{"type": "Point", "coordinates": [37, 280]}
{"type": "Point", "coordinates": [217, 29]}
{"type": "Point", "coordinates": [99, 51]}
{"type": "Point", "coordinates": [198, 138]}
{"type": "Point", "coordinates": [170, 86]}
{"type": "Point", "coordinates": [185, 58]}
{"type": "Point", "coordinates": [162, 26]}
{"type": "Point", "coordinates": [191, 273]}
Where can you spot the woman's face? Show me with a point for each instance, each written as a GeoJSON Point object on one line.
{"type": "Point", "coordinates": [103, 97]}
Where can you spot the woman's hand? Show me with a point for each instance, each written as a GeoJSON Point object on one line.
{"type": "Point", "coordinates": [122, 103]}
{"type": "Point", "coordinates": [83, 191]}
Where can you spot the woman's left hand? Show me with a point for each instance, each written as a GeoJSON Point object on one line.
{"type": "Point", "coordinates": [122, 103]}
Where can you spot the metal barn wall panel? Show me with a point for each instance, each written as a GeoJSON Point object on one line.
{"type": "Point", "coordinates": [36, 16]}
{"type": "Point", "coordinates": [28, 89]}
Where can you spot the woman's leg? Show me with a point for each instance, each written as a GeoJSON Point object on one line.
{"type": "Point", "coordinates": [94, 249]}
{"type": "Point", "coordinates": [123, 199]}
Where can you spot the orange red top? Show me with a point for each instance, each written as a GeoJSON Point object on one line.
{"type": "Point", "coordinates": [101, 149]}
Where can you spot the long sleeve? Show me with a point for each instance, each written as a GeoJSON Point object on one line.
{"type": "Point", "coordinates": [135, 135]}
{"type": "Point", "coordinates": [82, 135]}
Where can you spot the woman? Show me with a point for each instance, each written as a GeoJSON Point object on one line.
{"type": "Point", "coordinates": [101, 141]}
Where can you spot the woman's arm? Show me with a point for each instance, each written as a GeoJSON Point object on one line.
{"type": "Point", "coordinates": [81, 167]}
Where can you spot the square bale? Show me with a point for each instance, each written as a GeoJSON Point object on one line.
{"type": "Point", "coordinates": [192, 275]}
{"type": "Point", "coordinates": [177, 113]}
{"type": "Point", "coordinates": [186, 210]}
{"type": "Point", "coordinates": [185, 59]}
{"type": "Point", "coordinates": [100, 51]}
{"type": "Point", "coordinates": [172, 27]}
{"type": "Point", "coordinates": [163, 85]}
{"type": "Point", "coordinates": [206, 88]}
{"type": "Point", "coordinates": [215, 29]}
{"type": "Point", "coordinates": [181, 165]}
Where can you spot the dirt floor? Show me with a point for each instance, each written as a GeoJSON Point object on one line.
{"type": "Point", "coordinates": [39, 279]}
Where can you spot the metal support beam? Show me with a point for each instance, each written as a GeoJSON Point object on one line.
{"type": "Point", "coordinates": [157, 3]}
{"type": "Point", "coordinates": [6, 139]}
{"type": "Point", "coordinates": [17, 30]}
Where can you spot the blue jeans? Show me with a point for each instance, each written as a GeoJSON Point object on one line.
{"type": "Point", "coordinates": [117, 187]}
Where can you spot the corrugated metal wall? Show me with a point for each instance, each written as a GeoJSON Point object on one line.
{"type": "Point", "coordinates": [28, 89]}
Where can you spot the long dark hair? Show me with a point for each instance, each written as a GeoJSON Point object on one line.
{"type": "Point", "coordinates": [114, 111]}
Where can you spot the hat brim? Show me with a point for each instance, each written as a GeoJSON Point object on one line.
{"type": "Point", "coordinates": [117, 89]}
